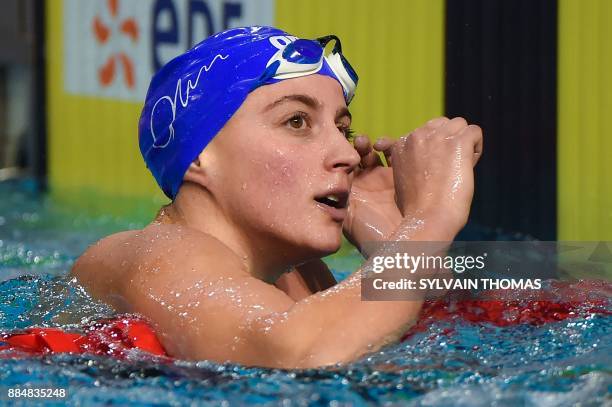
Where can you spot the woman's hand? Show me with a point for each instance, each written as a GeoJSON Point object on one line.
{"type": "Point", "coordinates": [372, 212]}
{"type": "Point", "coordinates": [431, 171]}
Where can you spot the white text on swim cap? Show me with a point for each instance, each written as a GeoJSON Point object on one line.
{"type": "Point", "coordinates": [184, 101]}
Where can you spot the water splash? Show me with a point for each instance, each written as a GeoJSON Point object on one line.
{"type": "Point", "coordinates": [451, 361]}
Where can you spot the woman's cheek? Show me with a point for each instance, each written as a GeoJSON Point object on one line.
{"type": "Point", "coordinates": [279, 174]}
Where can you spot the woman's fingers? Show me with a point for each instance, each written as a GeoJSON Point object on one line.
{"type": "Point", "coordinates": [473, 136]}
{"type": "Point", "coordinates": [437, 122]}
{"type": "Point", "coordinates": [475, 133]}
{"type": "Point", "coordinates": [369, 158]}
{"type": "Point", "coordinates": [362, 145]}
{"type": "Point", "coordinates": [383, 145]}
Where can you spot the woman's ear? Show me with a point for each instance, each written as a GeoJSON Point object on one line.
{"type": "Point", "coordinates": [197, 173]}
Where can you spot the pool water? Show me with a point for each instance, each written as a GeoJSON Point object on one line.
{"type": "Point", "coordinates": [449, 362]}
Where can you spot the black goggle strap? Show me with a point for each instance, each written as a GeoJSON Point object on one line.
{"type": "Point", "coordinates": [326, 39]}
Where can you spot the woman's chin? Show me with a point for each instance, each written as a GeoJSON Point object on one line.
{"type": "Point", "coordinates": [313, 244]}
{"type": "Point", "coordinates": [327, 245]}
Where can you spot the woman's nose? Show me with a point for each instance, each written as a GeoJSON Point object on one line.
{"type": "Point", "coordinates": [342, 154]}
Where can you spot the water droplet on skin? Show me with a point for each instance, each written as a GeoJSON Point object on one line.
{"type": "Point", "coordinates": [374, 229]}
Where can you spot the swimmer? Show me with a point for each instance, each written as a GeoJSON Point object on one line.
{"type": "Point", "coordinates": [248, 133]}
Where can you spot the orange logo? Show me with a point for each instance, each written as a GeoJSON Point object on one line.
{"type": "Point", "coordinates": [127, 27]}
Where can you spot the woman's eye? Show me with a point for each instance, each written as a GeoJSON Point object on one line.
{"type": "Point", "coordinates": [347, 131]}
{"type": "Point", "coordinates": [297, 122]}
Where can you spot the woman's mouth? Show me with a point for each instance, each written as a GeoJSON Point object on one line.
{"type": "Point", "coordinates": [334, 203]}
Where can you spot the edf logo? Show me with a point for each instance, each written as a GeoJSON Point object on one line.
{"type": "Point", "coordinates": [112, 48]}
{"type": "Point", "coordinates": [167, 29]}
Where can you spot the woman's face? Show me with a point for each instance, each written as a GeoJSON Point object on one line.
{"type": "Point", "coordinates": [282, 167]}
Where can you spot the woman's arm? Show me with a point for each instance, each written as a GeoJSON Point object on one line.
{"type": "Point", "coordinates": [220, 312]}
{"type": "Point", "coordinates": [306, 279]}
{"type": "Point", "coordinates": [335, 325]}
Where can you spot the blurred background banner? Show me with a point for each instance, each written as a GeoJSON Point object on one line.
{"type": "Point", "coordinates": [101, 55]}
{"type": "Point", "coordinates": [533, 73]}
{"type": "Point", "coordinates": [113, 48]}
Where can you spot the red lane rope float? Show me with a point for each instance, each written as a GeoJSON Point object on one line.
{"type": "Point", "coordinates": [506, 308]}
{"type": "Point", "coordinates": [111, 337]}
{"type": "Point", "coordinates": [116, 336]}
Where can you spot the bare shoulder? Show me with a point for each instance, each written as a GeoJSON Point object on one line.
{"type": "Point", "coordinates": [194, 290]}
{"type": "Point", "coordinates": [155, 253]}
{"type": "Point", "coordinates": [98, 267]}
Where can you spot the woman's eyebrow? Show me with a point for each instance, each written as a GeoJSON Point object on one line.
{"type": "Point", "coordinates": [305, 99]}
{"type": "Point", "coordinates": [308, 101]}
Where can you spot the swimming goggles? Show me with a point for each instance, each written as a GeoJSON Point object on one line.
{"type": "Point", "coordinates": [304, 57]}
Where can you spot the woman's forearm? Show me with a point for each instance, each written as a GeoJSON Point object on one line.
{"type": "Point", "coordinates": [380, 230]}
{"type": "Point", "coordinates": [335, 325]}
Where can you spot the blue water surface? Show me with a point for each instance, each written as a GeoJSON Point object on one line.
{"type": "Point", "coordinates": [451, 363]}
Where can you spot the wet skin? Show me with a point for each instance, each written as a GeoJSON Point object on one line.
{"type": "Point", "coordinates": [231, 270]}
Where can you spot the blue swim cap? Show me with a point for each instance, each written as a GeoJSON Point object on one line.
{"type": "Point", "coordinates": [192, 97]}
